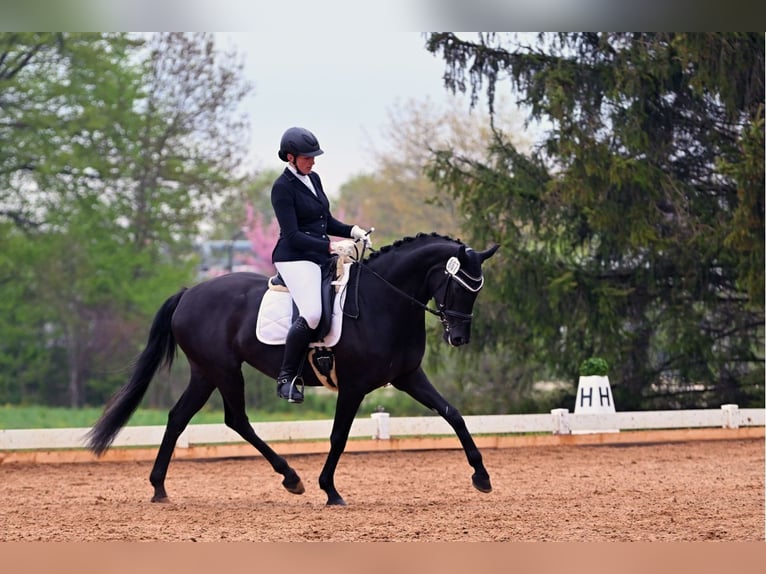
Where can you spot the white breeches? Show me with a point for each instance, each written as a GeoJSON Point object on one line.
{"type": "Point", "coordinates": [304, 280]}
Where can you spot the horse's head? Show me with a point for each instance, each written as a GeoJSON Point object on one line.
{"type": "Point", "coordinates": [456, 291]}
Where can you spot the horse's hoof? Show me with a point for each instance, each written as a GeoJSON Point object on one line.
{"type": "Point", "coordinates": [161, 499]}
{"type": "Point", "coordinates": [481, 484]}
{"type": "Point", "coordinates": [294, 487]}
{"type": "Point", "coordinates": [336, 501]}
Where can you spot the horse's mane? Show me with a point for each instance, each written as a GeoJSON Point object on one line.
{"type": "Point", "coordinates": [404, 241]}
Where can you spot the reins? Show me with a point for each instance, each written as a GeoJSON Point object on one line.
{"type": "Point", "coordinates": [398, 290]}
{"type": "Point", "coordinates": [451, 270]}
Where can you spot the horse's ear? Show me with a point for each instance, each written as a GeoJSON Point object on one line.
{"type": "Point", "coordinates": [487, 253]}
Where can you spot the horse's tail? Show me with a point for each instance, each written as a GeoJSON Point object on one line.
{"type": "Point", "coordinates": [160, 350]}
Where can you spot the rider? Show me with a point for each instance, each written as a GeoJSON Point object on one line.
{"type": "Point", "coordinates": [303, 212]}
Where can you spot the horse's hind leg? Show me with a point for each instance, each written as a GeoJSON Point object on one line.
{"type": "Point", "coordinates": [232, 389]}
{"type": "Point", "coordinates": [417, 385]}
{"type": "Point", "coordinates": [191, 401]}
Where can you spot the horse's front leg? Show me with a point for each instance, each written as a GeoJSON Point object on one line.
{"type": "Point", "coordinates": [345, 410]}
{"type": "Point", "coordinates": [417, 385]}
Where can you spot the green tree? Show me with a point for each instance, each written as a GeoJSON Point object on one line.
{"type": "Point", "coordinates": [119, 147]}
{"type": "Point", "coordinates": [635, 230]}
{"type": "Point", "coordinates": [24, 361]}
{"type": "Point", "coordinates": [52, 89]}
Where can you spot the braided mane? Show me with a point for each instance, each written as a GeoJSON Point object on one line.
{"type": "Point", "coordinates": [407, 241]}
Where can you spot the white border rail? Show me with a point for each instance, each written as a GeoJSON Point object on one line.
{"type": "Point", "coordinates": [381, 426]}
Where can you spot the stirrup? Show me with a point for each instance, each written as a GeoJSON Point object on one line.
{"type": "Point", "coordinates": [293, 393]}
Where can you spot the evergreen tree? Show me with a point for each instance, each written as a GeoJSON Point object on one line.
{"type": "Point", "coordinates": [635, 230]}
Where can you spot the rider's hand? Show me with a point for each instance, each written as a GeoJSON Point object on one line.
{"type": "Point", "coordinates": [360, 234]}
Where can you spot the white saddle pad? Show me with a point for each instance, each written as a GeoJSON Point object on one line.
{"type": "Point", "coordinates": [276, 315]}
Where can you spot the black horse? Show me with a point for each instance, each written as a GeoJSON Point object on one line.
{"type": "Point", "coordinates": [383, 341]}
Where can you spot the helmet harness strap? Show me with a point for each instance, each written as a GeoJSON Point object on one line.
{"type": "Point", "coordinates": [294, 163]}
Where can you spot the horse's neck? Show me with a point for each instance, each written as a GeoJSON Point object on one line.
{"type": "Point", "coordinates": [408, 269]}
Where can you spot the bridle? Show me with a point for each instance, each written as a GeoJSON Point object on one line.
{"type": "Point", "coordinates": [452, 272]}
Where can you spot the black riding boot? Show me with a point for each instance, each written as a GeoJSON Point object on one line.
{"type": "Point", "coordinates": [298, 339]}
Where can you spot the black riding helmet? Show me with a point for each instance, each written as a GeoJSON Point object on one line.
{"type": "Point", "coordinates": [299, 141]}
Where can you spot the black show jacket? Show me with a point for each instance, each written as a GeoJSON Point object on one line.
{"type": "Point", "coordinates": [305, 221]}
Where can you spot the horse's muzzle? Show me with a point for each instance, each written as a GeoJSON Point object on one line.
{"type": "Point", "coordinates": [457, 335]}
{"type": "Point", "coordinates": [457, 340]}
{"type": "Point", "coordinates": [457, 327]}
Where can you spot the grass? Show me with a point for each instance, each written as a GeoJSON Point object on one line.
{"type": "Point", "coordinates": [39, 417]}
{"type": "Point", "coordinates": [319, 405]}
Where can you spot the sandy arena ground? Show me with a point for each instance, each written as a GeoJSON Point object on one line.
{"type": "Point", "coordinates": [689, 491]}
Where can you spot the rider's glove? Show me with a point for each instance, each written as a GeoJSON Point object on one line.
{"type": "Point", "coordinates": [359, 233]}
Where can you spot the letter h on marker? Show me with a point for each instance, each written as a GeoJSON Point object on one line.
{"type": "Point", "coordinates": [603, 395]}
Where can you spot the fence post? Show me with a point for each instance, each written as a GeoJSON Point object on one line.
{"type": "Point", "coordinates": [382, 431]}
{"type": "Point", "coordinates": [561, 421]}
{"type": "Point", "coordinates": [730, 416]}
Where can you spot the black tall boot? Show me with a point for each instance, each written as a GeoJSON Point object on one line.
{"type": "Point", "coordinates": [298, 339]}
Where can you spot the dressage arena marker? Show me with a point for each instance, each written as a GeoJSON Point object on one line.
{"type": "Point", "coordinates": [395, 433]}
{"type": "Point", "coordinates": [594, 396]}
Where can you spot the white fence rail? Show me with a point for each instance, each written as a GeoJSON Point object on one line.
{"type": "Point", "coordinates": [381, 426]}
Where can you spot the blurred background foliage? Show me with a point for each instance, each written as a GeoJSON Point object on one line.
{"type": "Point", "coordinates": [621, 173]}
